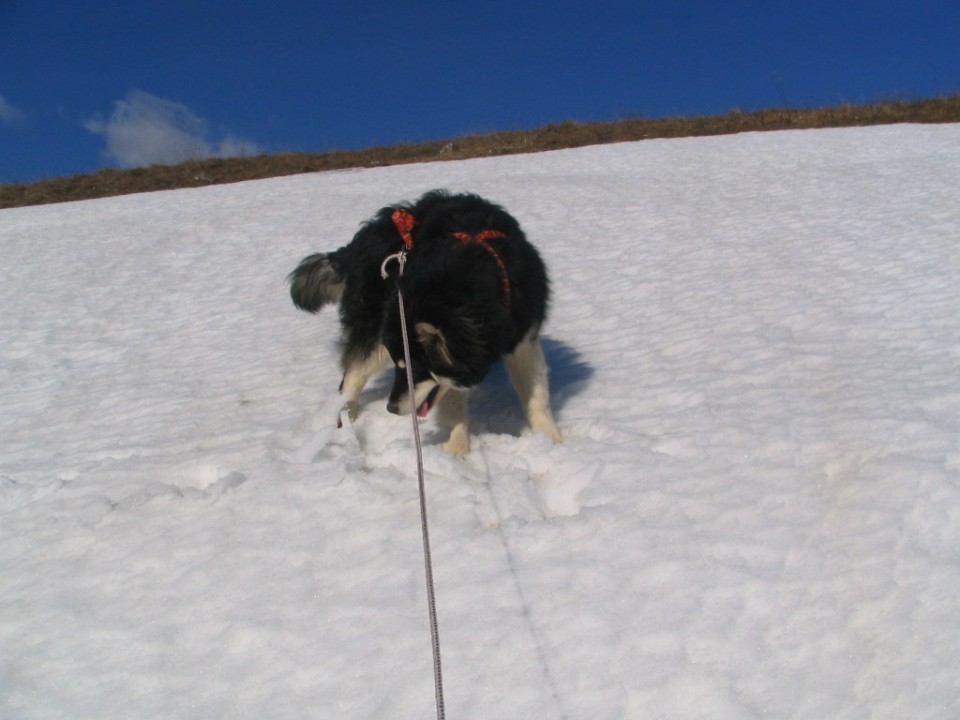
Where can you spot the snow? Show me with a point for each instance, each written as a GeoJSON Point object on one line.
{"type": "Point", "coordinates": [754, 343]}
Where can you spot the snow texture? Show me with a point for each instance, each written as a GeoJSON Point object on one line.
{"type": "Point", "coordinates": [755, 353]}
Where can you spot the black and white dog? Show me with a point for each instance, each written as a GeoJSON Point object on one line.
{"type": "Point", "coordinates": [474, 290]}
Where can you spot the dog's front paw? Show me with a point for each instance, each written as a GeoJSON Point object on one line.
{"type": "Point", "coordinates": [543, 423]}
{"type": "Point", "coordinates": [352, 411]}
{"type": "Point", "coordinates": [553, 433]}
{"type": "Point", "coordinates": [458, 444]}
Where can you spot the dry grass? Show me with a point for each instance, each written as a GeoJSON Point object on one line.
{"type": "Point", "coordinates": [551, 137]}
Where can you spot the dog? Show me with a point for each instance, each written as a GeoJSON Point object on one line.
{"type": "Point", "coordinates": [474, 290]}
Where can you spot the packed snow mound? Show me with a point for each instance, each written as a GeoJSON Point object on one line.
{"type": "Point", "coordinates": [755, 354]}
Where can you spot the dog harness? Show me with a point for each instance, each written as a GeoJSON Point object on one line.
{"type": "Point", "coordinates": [404, 221]}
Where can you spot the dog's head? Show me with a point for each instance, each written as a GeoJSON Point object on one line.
{"type": "Point", "coordinates": [455, 355]}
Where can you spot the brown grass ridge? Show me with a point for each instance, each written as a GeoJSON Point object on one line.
{"type": "Point", "coordinates": [569, 134]}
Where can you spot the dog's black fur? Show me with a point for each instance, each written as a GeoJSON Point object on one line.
{"type": "Point", "coordinates": [460, 318]}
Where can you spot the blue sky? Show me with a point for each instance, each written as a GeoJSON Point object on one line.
{"type": "Point", "coordinates": [85, 85]}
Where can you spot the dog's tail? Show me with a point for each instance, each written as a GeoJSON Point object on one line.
{"type": "Point", "coordinates": [316, 282]}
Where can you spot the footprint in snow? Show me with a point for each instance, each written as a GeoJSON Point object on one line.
{"type": "Point", "coordinates": [527, 489]}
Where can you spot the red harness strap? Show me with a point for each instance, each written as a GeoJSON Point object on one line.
{"type": "Point", "coordinates": [404, 221]}
{"type": "Point", "coordinates": [481, 239]}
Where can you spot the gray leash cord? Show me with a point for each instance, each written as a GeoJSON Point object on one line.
{"type": "Point", "coordinates": [425, 532]}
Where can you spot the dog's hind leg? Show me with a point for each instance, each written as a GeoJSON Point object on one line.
{"type": "Point", "coordinates": [452, 415]}
{"type": "Point", "coordinates": [357, 370]}
{"type": "Point", "coordinates": [527, 369]}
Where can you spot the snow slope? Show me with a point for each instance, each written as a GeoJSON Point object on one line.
{"type": "Point", "coordinates": [755, 345]}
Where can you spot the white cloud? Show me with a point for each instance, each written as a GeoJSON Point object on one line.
{"type": "Point", "coordinates": [10, 115]}
{"type": "Point", "coordinates": [236, 147]}
{"type": "Point", "coordinates": [147, 130]}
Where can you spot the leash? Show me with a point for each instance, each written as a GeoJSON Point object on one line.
{"type": "Point", "coordinates": [401, 258]}
{"type": "Point", "coordinates": [404, 222]}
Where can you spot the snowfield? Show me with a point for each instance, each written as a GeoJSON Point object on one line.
{"type": "Point", "coordinates": [755, 353]}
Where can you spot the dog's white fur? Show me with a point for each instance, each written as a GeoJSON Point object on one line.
{"type": "Point", "coordinates": [357, 374]}
{"type": "Point", "coordinates": [526, 368]}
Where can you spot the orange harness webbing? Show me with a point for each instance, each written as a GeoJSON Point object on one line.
{"type": "Point", "coordinates": [404, 221]}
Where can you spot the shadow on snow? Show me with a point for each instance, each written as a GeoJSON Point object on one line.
{"type": "Point", "coordinates": [494, 406]}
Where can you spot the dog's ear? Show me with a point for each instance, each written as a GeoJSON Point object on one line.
{"type": "Point", "coordinates": [434, 344]}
